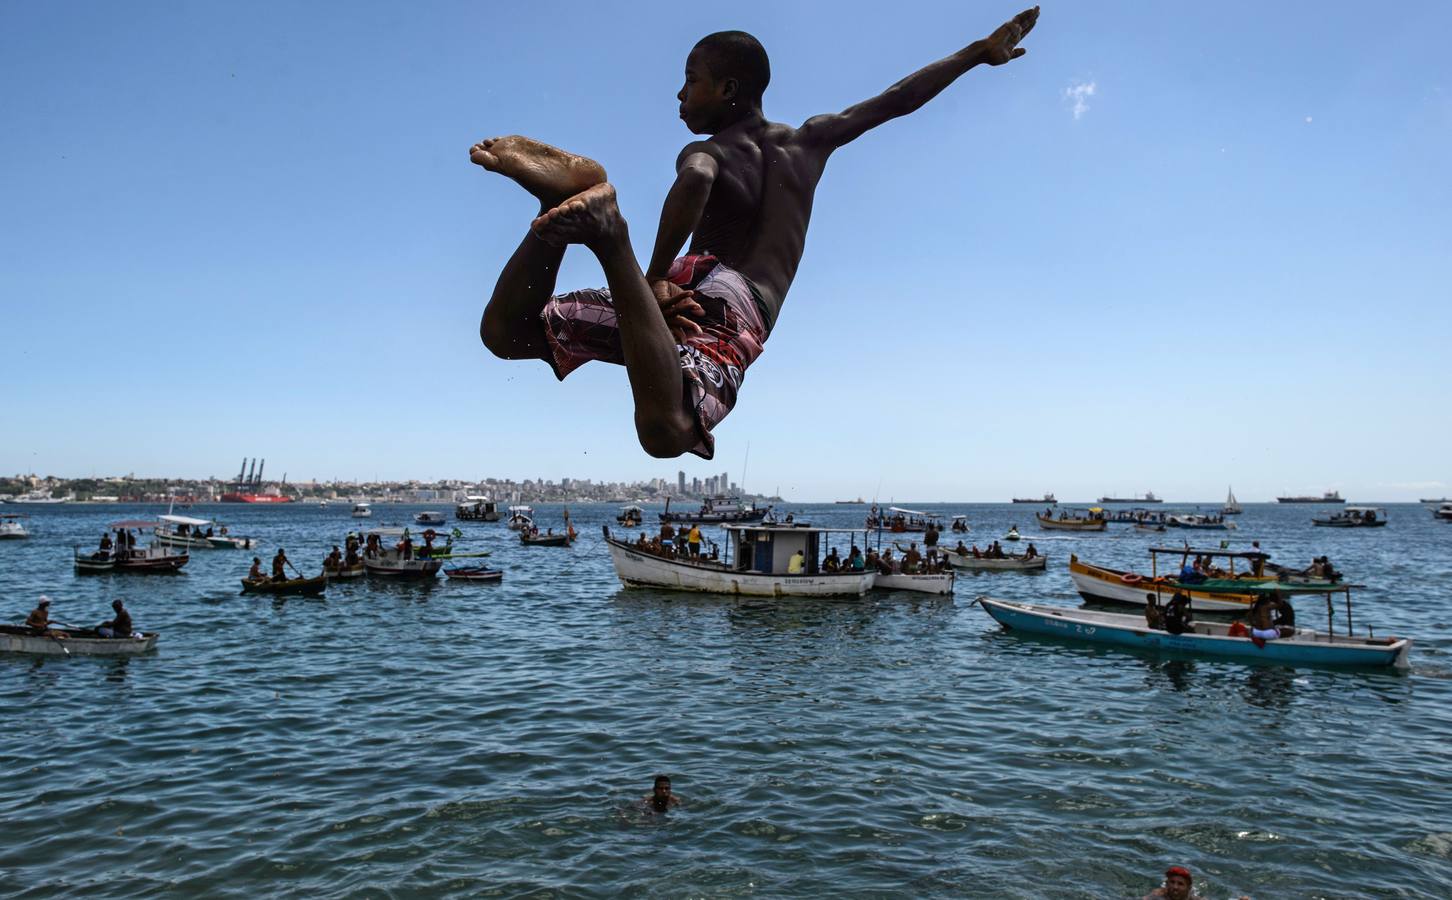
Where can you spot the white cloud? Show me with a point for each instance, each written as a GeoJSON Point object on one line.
{"type": "Point", "coordinates": [1078, 95]}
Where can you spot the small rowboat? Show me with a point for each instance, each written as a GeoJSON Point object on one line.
{"type": "Point", "coordinates": [474, 573]}
{"type": "Point", "coordinates": [311, 587]}
{"type": "Point", "coordinates": [1213, 639]}
{"type": "Point", "coordinates": [19, 639]}
{"type": "Point", "coordinates": [95, 563]}
{"type": "Point", "coordinates": [971, 563]}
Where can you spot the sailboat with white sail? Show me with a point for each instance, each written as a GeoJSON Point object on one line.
{"type": "Point", "coordinates": [1232, 506]}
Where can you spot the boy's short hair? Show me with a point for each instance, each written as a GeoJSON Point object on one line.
{"type": "Point", "coordinates": [736, 54]}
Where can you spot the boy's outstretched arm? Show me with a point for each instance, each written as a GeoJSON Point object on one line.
{"type": "Point", "coordinates": [696, 170]}
{"type": "Point", "coordinates": [835, 129]}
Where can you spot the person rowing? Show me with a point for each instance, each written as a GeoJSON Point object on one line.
{"type": "Point", "coordinates": [279, 565]}
{"type": "Point", "coordinates": [39, 619]}
{"type": "Point", "coordinates": [256, 573]}
{"type": "Point", "coordinates": [119, 627]}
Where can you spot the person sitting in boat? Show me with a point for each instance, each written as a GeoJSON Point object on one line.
{"type": "Point", "coordinates": [333, 561]}
{"type": "Point", "coordinates": [885, 563]}
{"type": "Point", "coordinates": [977, 554]}
{"type": "Point", "coordinates": [797, 565]}
{"type": "Point", "coordinates": [1032, 552]}
{"type": "Point", "coordinates": [960, 549]}
{"type": "Point", "coordinates": [119, 627]}
{"type": "Point", "coordinates": [855, 560]}
{"type": "Point", "coordinates": [1190, 572]}
{"type": "Point", "coordinates": [209, 531]}
{"type": "Point", "coordinates": [1154, 616]}
{"type": "Point", "coordinates": [279, 565]}
{"type": "Point", "coordinates": [667, 536]}
{"type": "Point", "coordinates": [996, 551]}
{"type": "Point", "coordinates": [256, 573]}
{"type": "Point", "coordinates": [1178, 617]}
{"type": "Point", "coordinates": [872, 560]}
{"type": "Point", "coordinates": [641, 543]}
{"type": "Point", "coordinates": [832, 562]}
{"type": "Point", "coordinates": [39, 619]}
{"type": "Point", "coordinates": [911, 560]}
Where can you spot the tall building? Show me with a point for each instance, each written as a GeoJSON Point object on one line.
{"type": "Point", "coordinates": [681, 481]}
{"type": "Point", "coordinates": [725, 483]}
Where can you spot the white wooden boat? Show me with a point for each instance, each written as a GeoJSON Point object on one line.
{"type": "Point", "coordinates": [1010, 563]}
{"type": "Point", "coordinates": [1106, 585]}
{"type": "Point", "coordinates": [520, 517]}
{"type": "Point", "coordinates": [761, 573]}
{"type": "Point", "coordinates": [430, 518]}
{"type": "Point", "coordinates": [388, 562]}
{"type": "Point", "coordinates": [1353, 517]}
{"type": "Point", "coordinates": [194, 533]}
{"type": "Point", "coordinates": [477, 509]}
{"type": "Point", "coordinates": [362, 511]}
{"type": "Point", "coordinates": [903, 521]}
{"type": "Point", "coordinates": [357, 570]}
{"type": "Point", "coordinates": [96, 562]}
{"type": "Point", "coordinates": [1202, 522]}
{"type": "Point", "coordinates": [926, 583]}
{"type": "Point", "coordinates": [474, 573]}
{"type": "Point", "coordinates": [19, 639]}
{"type": "Point", "coordinates": [11, 528]}
{"type": "Point", "coordinates": [1211, 639]}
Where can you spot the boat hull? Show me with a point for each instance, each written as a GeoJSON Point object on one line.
{"type": "Point", "coordinates": [1072, 524]}
{"type": "Point", "coordinates": [1103, 585]}
{"type": "Point", "coordinates": [933, 583]}
{"type": "Point", "coordinates": [403, 570]}
{"type": "Point", "coordinates": [305, 586]}
{"type": "Point", "coordinates": [971, 563]}
{"type": "Point", "coordinates": [637, 569]}
{"type": "Point", "coordinates": [1210, 640]}
{"type": "Point", "coordinates": [39, 645]}
{"type": "Point", "coordinates": [474, 574]}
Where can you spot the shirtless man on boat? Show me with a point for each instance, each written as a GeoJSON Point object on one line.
{"type": "Point", "coordinates": [687, 329]}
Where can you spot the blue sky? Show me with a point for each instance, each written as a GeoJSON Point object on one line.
{"type": "Point", "coordinates": [1173, 248]}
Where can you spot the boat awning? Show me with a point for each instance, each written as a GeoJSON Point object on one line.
{"type": "Point", "coordinates": [387, 532]}
{"type": "Point", "coordinates": [184, 520]}
{"type": "Point", "coordinates": [910, 512]}
{"type": "Point", "coordinates": [133, 523]}
{"type": "Point", "coordinates": [1238, 554]}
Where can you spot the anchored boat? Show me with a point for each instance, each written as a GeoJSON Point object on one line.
{"type": "Point", "coordinates": [11, 528]}
{"type": "Point", "coordinates": [1072, 520]}
{"type": "Point", "coordinates": [1353, 517]}
{"type": "Point", "coordinates": [903, 521]}
{"type": "Point", "coordinates": [477, 509]}
{"type": "Point", "coordinates": [718, 510]}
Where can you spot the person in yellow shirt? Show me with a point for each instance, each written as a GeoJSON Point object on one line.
{"type": "Point", "coordinates": [797, 564]}
{"type": "Point", "coordinates": [693, 541]}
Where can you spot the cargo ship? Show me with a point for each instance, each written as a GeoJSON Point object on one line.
{"type": "Point", "coordinates": [1149, 497]}
{"type": "Point", "coordinates": [1328, 497]}
{"type": "Point", "coordinates": [248, 487]}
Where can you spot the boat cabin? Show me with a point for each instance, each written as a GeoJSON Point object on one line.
{"type": "Point", "coordinates": [1354, 517]}
{"type": "Point", "coordinates": [768, 549]}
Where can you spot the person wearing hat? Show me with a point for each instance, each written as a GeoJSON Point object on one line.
{"type": "Point", "coordinates": [39, 619]}
{"type": "Point", "coordinates": [119, 627]}
{"type": "Point", "coordinates": [1178, 886]}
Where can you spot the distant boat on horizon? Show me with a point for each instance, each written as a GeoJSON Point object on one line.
{"type": "Point", "coordinates": [1048, 498]}
{"type": "Point", "coordinates": [1149, 497]}
{"type": "Point", "coordinates": [1328, 497]}
{"type": "Point", "coordinates": [1232, 506]}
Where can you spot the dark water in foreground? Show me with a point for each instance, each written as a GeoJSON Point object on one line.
{"type": "Point", "coordinates": [466, 740]}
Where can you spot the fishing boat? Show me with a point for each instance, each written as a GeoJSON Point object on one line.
{"type": "Point", "coordinates": [1232, 592]}
{"type": "Point", "coordinates": [631, 516]}
{"type": "Point", "coordinates": [186, 531]}
{"type": "Point", "coordinates": [389, 559]}
{"type": "Point", "coordinates": [718, 510]}
{"type": "Point", "coordinates": [477, 509]}
{"type": "Point", "coordinates": [1047, 499]}
{"type": "Point", "coordinates": [520, 517]}
{"type": "Point", "coordinates": [1144, 526]}
{"type": "Point", "coordinates": [1073, 520]}
{"type": "Point", "coordinates": [1010, 562]}
{"type": "Point", "coordinates": [1209, 639]}
{"type": "Point", "coordinates": [921, 582]}
{"type": "Point", "coordinates": [344, 572]}
{"type": "Point", "coordinates": [97, 562]}
{"type": "Point", "coordinates": [755, 563]}
{"type": "Point", "coordinates": [1353, 517]}
{"type": "Point", "coordinates": [1328, 497]}
{"type": "Point", "coordinates": [536, 538]}
{"type": "Point", "coordinates": [903, 521]}
{"type": "Point", "coordinates": [362, 511]}
{"type": "Point", "coordinates": [1232, 506]}
{"type": "Point", "coordinates": [83, 642]}
{"type": "Point", "coordinates": [1196, 520]}
{"type": "Point", "coordinates": [311, 587]}
{"type": "Point", "coordinates": [1443, 512]}
{"type": "Point", "coordinates": [473, 573]}
{"type": "Point", "coordinates": [430, 518]}
{"type": "Point", "coordinates": [959, 524]}
{"type": "Point", "coordinates": [11, 528]}
{"type": "Point", "coordinates": [155, 558]}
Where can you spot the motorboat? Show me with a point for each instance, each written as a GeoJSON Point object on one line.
{"type": "Point", "coordinates": [395, 555]}
{"type": "Point", "coordinates": [1196, 520]}
{"type": "Point", "coordinates": [631, 516]}
{"type": "Point", "coordinates": [430, 518]}
{"type": "Point", "coordinates": [11, 528]}
{"type": "Point", "coordinates": [1305, 647]}
{"type": "Point", "coordinates": [959, 524]}
{"type": "Point", "coordinates": [362, 511]}
{"type": "Point", "coordinates": [1013, 534]}
{"type": "Point", "coordinates": [1228, 591]}
{"type": "Point", "coordinates": [38, 498]}
{"type": "Point", "coordinates": [903, 521]}
{"type": "Point", "coordinates": [718, 510]}
{"type": "Point", "coordinates": [155, 558]}
{"type": "Point", "coordinates": [1353, 517]}
{"type": "Point", "coordinates": [477, 509]}
{"type": "Point", "coordinates": [1443, 512]}
{"type": "Point", "coordinates": [1074, 520]}
{"type": "Point", "coordinates": [520, 517]}
{"type": "Point", "coordinates": [187, 531]}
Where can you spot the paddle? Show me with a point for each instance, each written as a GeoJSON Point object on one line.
{"type": "Point", "coordinates": [62, 643]}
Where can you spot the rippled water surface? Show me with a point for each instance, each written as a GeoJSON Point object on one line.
{"type": "Point", "coordinates": [464, 740]}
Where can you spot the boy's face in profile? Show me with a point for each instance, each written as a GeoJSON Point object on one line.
{"type": "Point", "coordinates": [702, 97]}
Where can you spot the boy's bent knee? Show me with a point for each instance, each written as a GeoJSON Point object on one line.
{"type": "Point", "coordinates": [666, 439]}
{"type": "Point", "coordinates": [505, 342]}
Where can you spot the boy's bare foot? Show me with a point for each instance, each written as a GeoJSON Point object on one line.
{"type": "Point", "coordinates": [588, 217]}
{"type": "Point", "coordinates": [547, 172]}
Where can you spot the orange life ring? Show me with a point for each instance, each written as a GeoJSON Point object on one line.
{"type": "Point", "coordinates": [1130, 578]}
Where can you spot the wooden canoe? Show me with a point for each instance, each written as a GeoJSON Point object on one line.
{"type": "Point", "coordinates": [309, 586]}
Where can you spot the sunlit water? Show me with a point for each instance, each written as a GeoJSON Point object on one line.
{"type": "Point", "coordinates": [466, 739]}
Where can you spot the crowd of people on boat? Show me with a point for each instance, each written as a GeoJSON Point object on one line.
{"type": "Point", "coordinates": [995, 551]}
{"type": "Point", "coordinates": [679, 543]}
{"type": "Point", "coordinates": [40, 623]}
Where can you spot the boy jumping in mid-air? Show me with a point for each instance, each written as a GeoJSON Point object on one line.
{"type": "Point", "coordinates": [687, 329]}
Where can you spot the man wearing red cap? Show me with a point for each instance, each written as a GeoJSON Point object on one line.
{"type": "Point", "coordinates": [1177, 886]}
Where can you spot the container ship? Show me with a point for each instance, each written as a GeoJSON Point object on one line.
{"type": "Point", "coordinates": [248, 488]}
{"type": "Point", "coordinates": [1149, 497]}
{"type": "Point", "coordinates": [1328, 497]}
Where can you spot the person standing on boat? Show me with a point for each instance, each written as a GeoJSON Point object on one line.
{"type": "Point", "coordinates": [119, 627]}
{"type": "Point", "coordinates": [693, 541]}
{"type": "Point", "coordinates": [279, 565]}
{"type": "Point", "coordinates": [1154, 617]}
{"type": "Point", "coordinates": [256, 573]}
{"type": "Point", "coordinates": [668, 538]}
{"type": "Point", "coordinates": [1178, 618]}
{"type": "Point", "coordinates": [105, 543]}
{"type": "Point", "coordinates": [1032, 552]}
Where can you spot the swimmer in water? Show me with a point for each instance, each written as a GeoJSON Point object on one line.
{"type": "Point", "coordinates": [661, 798]}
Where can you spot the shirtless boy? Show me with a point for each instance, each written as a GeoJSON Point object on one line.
{"type": "Point", "coordinates": [687, 329]}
